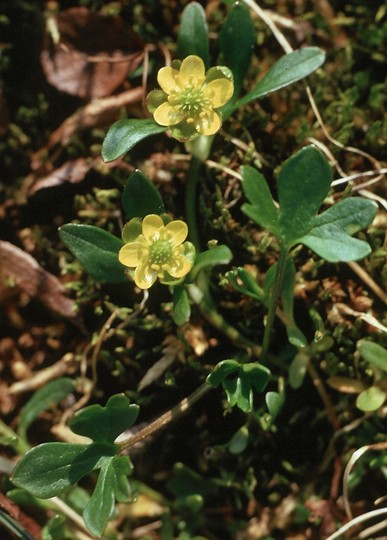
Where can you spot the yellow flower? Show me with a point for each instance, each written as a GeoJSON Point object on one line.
{"type": "Point", "coordinates": [189, 98]}
{"type": "Point", "coordinates": [156, 250]}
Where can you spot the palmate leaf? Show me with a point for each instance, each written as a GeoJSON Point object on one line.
{"type": "Point", "coordinates": [239, 381]}
{"type": "Point", "coordinates": [104, 424]}
{"type": "Point", "coordinates": [96, 249]}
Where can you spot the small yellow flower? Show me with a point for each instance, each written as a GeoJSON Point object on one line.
{"type": "Point", "coordinates": [189, 98]}
{"type": "Point", "coordinates": [156, 250]}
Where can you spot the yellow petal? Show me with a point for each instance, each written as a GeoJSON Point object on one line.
{"type": "Point", "coordinates": [178, 231]}
{"type": "Point", "coordinates": [209, 124]}
{"type": "Point", "coordinates": [192, 72]}
{"type": "Point", "coordinates": [179, 267]}
{"type": "Point", "coordinates": [144, 276]}
{"type": "Point", "coordinates": [168, 115]}
{"type": "Point", "coordinates": [167, 79]}
{"type": "Point", "coordinates": [151, 226]}
{"type": "Point", "coordinates": [132, 254]}
{"type": "Point", "coordinates": [219, 92]}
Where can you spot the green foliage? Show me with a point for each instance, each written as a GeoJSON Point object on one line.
{"type": "Point", "coordinates": [96, 249]}
{"type": "Point", "coordinates": [51, 468]}
{"type": "Point", "coordinates": [193, 33]}
{"type": "Point", "coordinates": [140, 197]}
{"type": "Point", "coordinates": [239, 381]}
{"type": "Point", "coordinates": [290, 68]}
{"type": "Point", "coordinates": [236, 42]}
{"type": "Point", "coordinates": [50, 394]}
{"type": "Point", "coordinates": [212, 257]}
{"type": "Point", "coordinates": [181, 305]}
{"type": "Point", "coordinates": [125, 134]}
{"type": "Point", "coordinates": [303, 184]}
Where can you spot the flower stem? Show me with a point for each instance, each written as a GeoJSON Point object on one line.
{"type": "Point", "coordinates": [274, 300]}
{"type": "Point", "coordinates": [167, 417]}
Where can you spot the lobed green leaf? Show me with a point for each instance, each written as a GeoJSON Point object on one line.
{"type": "Point", "coordinates": [104, 424]}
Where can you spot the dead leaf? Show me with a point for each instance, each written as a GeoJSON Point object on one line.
{"type": "Point", "coordinates": [91, 54]}
{"type": "Point", "coordinates": [70, 172]}
{"type": "Point", "coordinates": [18, 268]}
{"type": "Point", "coordinates": [173, 350]}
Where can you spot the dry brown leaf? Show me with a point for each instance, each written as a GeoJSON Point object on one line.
{"type": "Point", "coordinates": [173, 350]}
{"type": "Point", "coordinates": [70, 172]}
{"type": "Point", "coordinates": [93, 54]}
{"type": "Point", "coordinates": [18, 268]}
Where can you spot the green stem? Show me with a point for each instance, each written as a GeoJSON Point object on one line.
{"type": "Point", "coordinates": [190, 200]}
{"type": "Point", "coordinates": [167, 417]}
{"type": "Point", "coordinates": [276, 291]}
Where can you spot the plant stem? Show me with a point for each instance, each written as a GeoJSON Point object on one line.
{"type": "Point", "coordinates": [190, 200]}
{"type": "Point", "coordinates": [279, 275]}
{"type": "Point", "coordinates": [167, 417]}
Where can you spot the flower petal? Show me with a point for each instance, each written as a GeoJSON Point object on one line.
{"type": "Point", "coordinates": [209, 123]}
{"type": "Point", "coordinates": [192, 72]}
{"type": "Point", "coordinates": [168, 115]}
{"type": "Point", "coordinates": [132, 254]}
{"type": "Point", "coordinates": [151, 226]}
{"type": "Point", "coordinates": [167, 79]}
{"type": "Point", "coordinates": [219, 92]}
{"type": "Point", "coordinates": [144, 276]}
{"type": "Point", "coordinates": [179, 267]}
{"type": "Point", "coordinates": [178, 231]}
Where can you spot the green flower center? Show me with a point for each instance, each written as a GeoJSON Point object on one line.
{"type": "Point", "coordinates": [160, 251]}
{"type": "Point", "coordinates": [191, 100]}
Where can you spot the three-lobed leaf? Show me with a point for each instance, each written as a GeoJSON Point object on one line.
{"type": "Point", "coordinates": [125, 134]}
{"type": "Point", "coordinates": [290, 68]}
{"type": "Point", "coordinates": [104, 424]}
{"type": "Point", "coordinates": [96, 249]}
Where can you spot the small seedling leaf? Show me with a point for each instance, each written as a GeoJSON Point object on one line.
{"type": "Point", "coordinates": [140, 197]}
{"type": "Point", "coordinates": [50, 394]}
{"type": "Point", "coordinates": [239, 441]}
{"type": "Point", "coordinates": [346, 385]}
{"type": "Point", "coordinates": [104, 424]}
{"type": "Point", "coordinates": [221, 371]}
{"type": "Point", "coordinates": [274, 401]}
{"type": "Point", "coordinates": [262, 209]}
{"type": "Point", "coordinates": [290, 68]}
{"type": "Point", "coordinates": [96, 249]}
{"type": "Point", "coordinates": [193, 34]}
{"type": "Point", "coordinates": [374, 353]}
{"type": "Point", "coordinates": [50, 468]}
{"type": "Point", "coordinates": [297, 369]}
{"type": "Point", "coordinates": [371, 399]}
{"type": "Point", "coordinates": [125, 134]}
